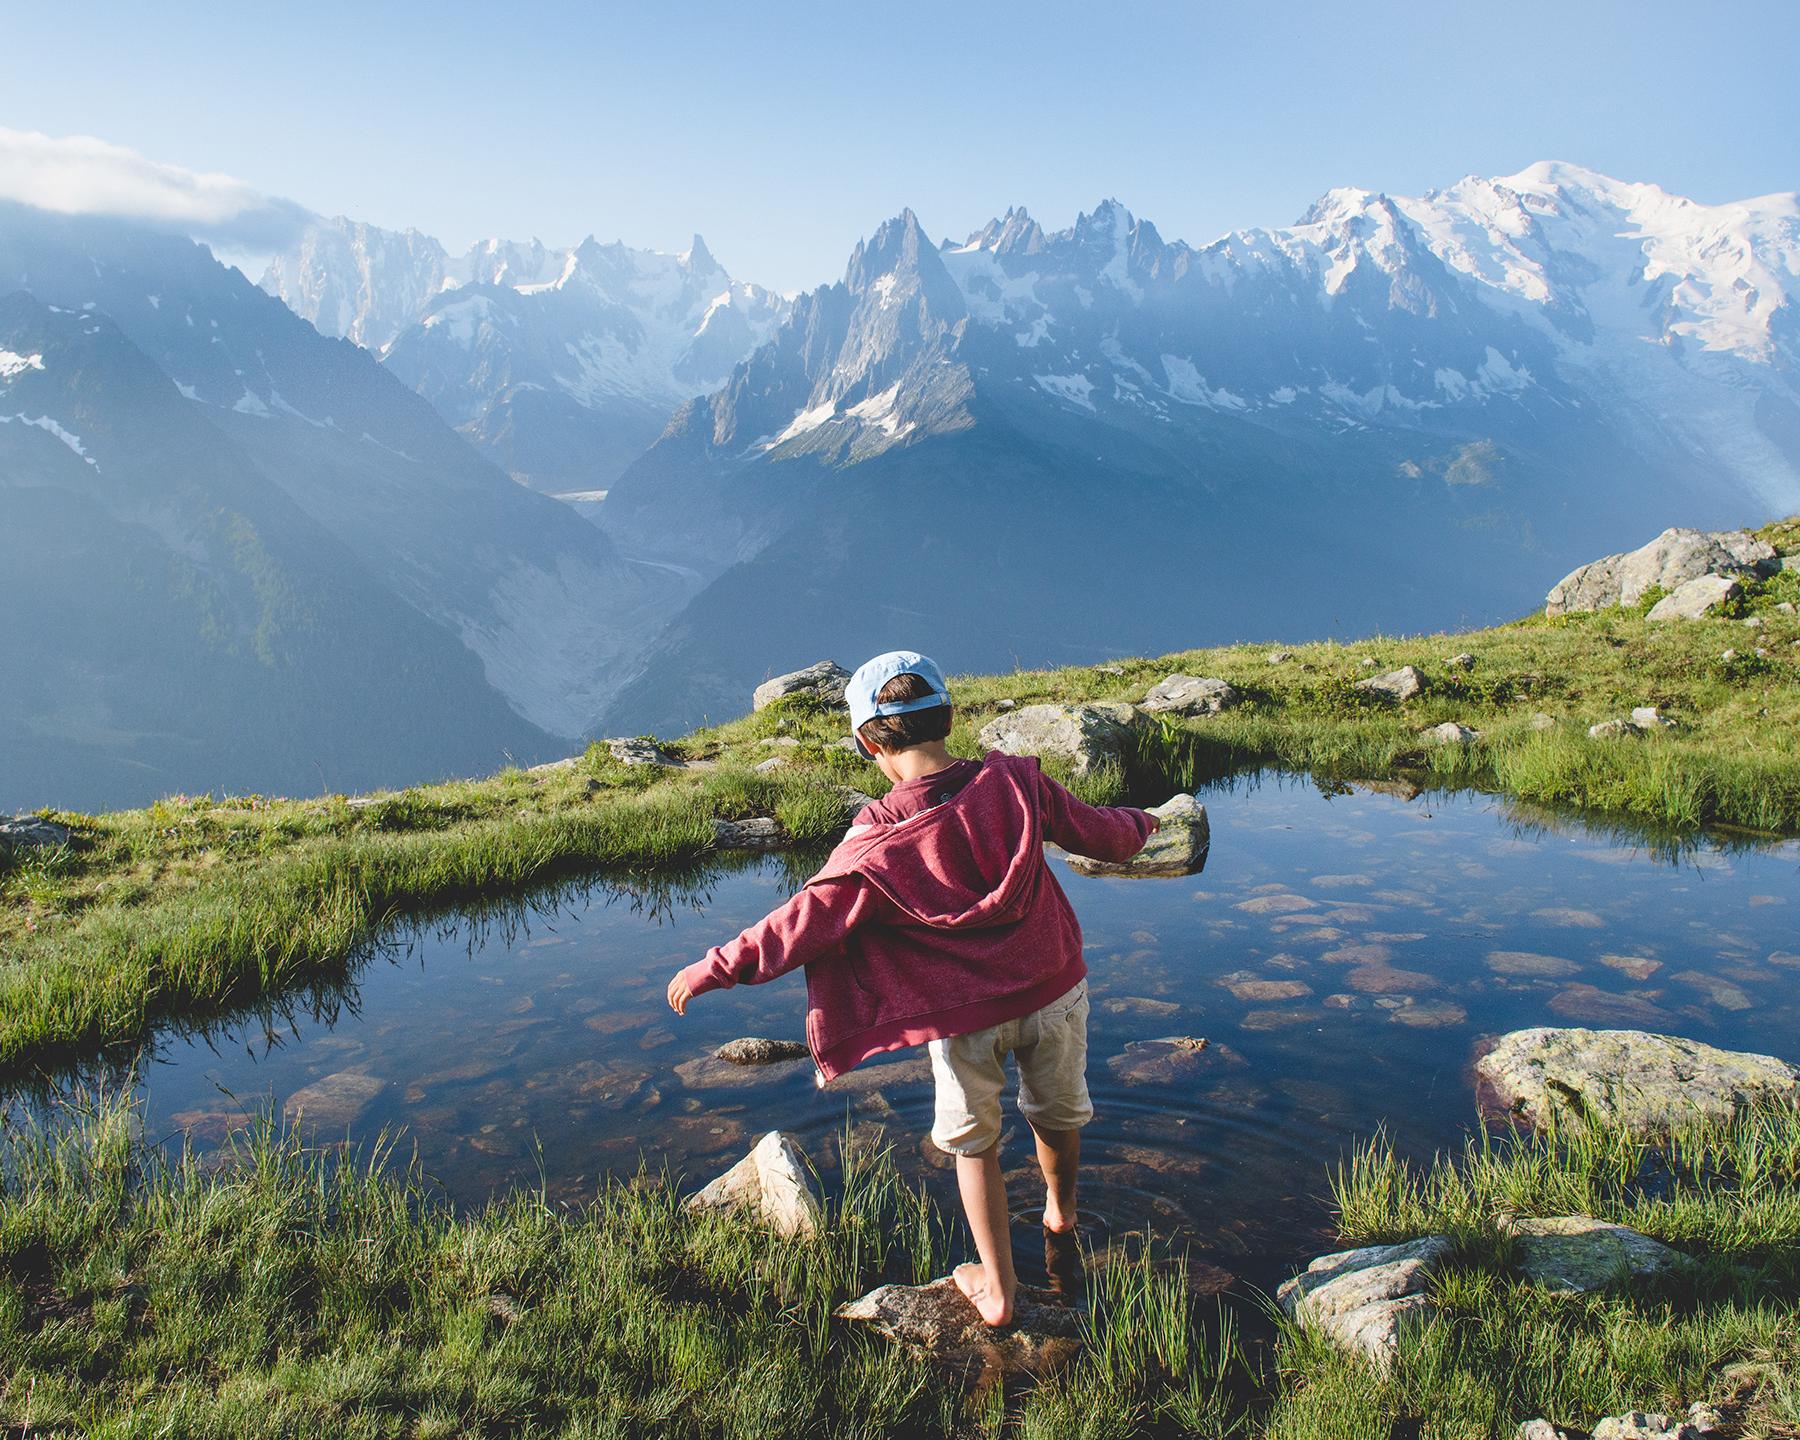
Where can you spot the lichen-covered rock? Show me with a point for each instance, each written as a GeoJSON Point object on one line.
{"type": "Point", "coordinates": [1190, 695]}
{"type": "Point", "coordinates": [1667, 562]}
{"type": "Point", "coordinates": [1360, 1299]}
{"type": "Point", "coordinates": [1695, 599]}
{"type": "Point", "coordinates": [1646, 1425]}
{"type": "Point", "coordinates": [821, 682]}
{"type": "Point", "coordinates": [1088, 736]}
{"type": "Point", "coordinates": [1401, 684]}
{"type": "Point", "coordinates": [1613, 730]}
{"type": "Point", "coordinates": [937, 1320]}
{"type": "Point", "coordinates": [1634, 1079]}
{"type": "Point", "coordinates": [1451, 732]}
{"type": "Point", "coordinates": [755, 1050]}
{"type": "Point", "coordinates": [772, 1182]}
{"type": "Point", "coordinates": [1576, 1254]}
{"type": "Point", "coordinates": [1179, 846]}
{"type": "Point", "coordinates": [759, 832]}
{"type": "Point", "coordinates": [639, 750]}
{"type": "Point", "coordinates": [32, 832]}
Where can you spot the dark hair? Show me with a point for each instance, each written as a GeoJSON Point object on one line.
{"type": "Point", "coordinates": [902, 732]}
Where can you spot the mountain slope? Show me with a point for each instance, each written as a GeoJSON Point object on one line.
{"type": "Point", "coordinates": [1378, 417]}
{"type": "Point", "coordinates": [561, 366]}
{"type": "Point", "coordinates": [175, 622]}
{"type": "Point", "coordinates": [544, 601]}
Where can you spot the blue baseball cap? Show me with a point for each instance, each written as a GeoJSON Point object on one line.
{"type": "Point", "coordinates": [871, 675]}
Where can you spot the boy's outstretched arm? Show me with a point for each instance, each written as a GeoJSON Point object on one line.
{"type": "Point", "coordinates": [812, 924]}
{"type": "Point", "coordinates": [1101, 832]}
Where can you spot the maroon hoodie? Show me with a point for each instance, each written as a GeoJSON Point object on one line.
{"type": "Point", "coordinates": [935, 915]}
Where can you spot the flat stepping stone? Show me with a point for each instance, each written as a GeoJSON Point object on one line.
{"type": "Point", "coordinates": [937, 1320]}
{"type": "Point", "coordinates": [1577, 1255]}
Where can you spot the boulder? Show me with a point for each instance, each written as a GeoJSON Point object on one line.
{"type": "Point", "coordinates": [822, 683]}
{"type": "Point", "coordinates": [1644, 1082]}
{"type": "Point", "coordinates": [32, 832]}
{"type": "Point", "coordinates": [1280, 657]}
{"type": "Point", "coordinates": [1540, 721]}
{"type": "Point", "coordinates": [1667, 562]}
{"type": "Point", "coordinates": [773, 1183]}
{"type": "Point", "coordinates": [1648, 717]}
{"type": "Point", "coordinates": [1652, 1425]}
{"type": "Point", "coordinates": [1696, 598]}
{"type": "Point", "coordinates": [1401, 684]}
{"type": "Point", "coordinates": [938, 1321]}
{"type": "Point", "coordinates": [1576, 1254]}
{"type": "Point", "coordinates": [759, 832]}
{"type": "Point", "coordinates": [1360, 1299]}
{"type": "Point", "coordinates": [639, 750]}
{"type": "Point", "coordinates": [1179, 846]}
{"type": "Point", "coordinates": [1088, 735]}
{"type": "Point", "coordinates": [1463, 660]}
{"type": "Point", "coordinates": [1190, 695]}
{"type": "Point", "coordinates": [1451, 732]}
{"type": "Point", "coordinates": [754, 1050]}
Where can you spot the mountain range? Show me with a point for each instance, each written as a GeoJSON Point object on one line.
{"type": "Point", "coordinates": [264, 545]}
{"type": "Point", "coordinates": [561, 366]}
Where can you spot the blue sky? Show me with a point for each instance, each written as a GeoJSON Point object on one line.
{"type": "Point", "coordinates": [783, 132]}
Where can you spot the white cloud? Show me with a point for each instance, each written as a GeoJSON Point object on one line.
{"type": "Point", "coordinates": [81, 175]}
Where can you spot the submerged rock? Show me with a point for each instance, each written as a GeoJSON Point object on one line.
{"type": "Point", "coordinates": [1401, 684]}
{"type": "Point", "coordinates": [1577, 1254]}
{"type": "Point", "coordinates": [754, 1050]}
{"type": "Point", "coordinates": [821, 682]}
{"type": "Point", "coordinates": [1360, 1299]}
{"type": "Point", "coordinates": [772, 1182]}
{"type": "Point", "coordinates": [1643, 1082]}
{"type": "Point", "coordinates": [335, 1102]}
{"type": "Point", "coordinates": [1089, 736]}
{"type": "Point", "coordinates": [1695, 599]}
{"type": "Point", "coordinates": [1190, 695]}
{"type": "Point", "coordinates": [1179, 846]}
{"type": "Point", "coordinates": [1668, 562]}
{"type": "Point", "coordinates": [938, 1321]}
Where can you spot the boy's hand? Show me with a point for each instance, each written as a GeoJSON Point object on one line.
{"type": "Point", "coordinates": [679, 993]}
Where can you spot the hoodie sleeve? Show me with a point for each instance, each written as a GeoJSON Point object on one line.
{"type": "Point", "coordinates": [1113, 833]}
{"type": "Point", "coordinates": [811, 925]}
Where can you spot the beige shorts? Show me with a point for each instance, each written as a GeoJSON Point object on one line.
{"type": "Point", "coordinates": [1050, 1048]}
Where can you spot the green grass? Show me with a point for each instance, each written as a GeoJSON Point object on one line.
{"type": "Point", "coordinates": [290, 1292]}
{"type": "Point", "coordinates": [195, 904]}
{"type": "Point", "coordinates": [1500, 1352]}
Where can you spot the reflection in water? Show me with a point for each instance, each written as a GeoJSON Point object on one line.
{"type": "Point", "coordinates": [1340, 958]}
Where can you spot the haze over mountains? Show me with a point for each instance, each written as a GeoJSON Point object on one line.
{"type": "Point", "coordinates": [1023, 446]}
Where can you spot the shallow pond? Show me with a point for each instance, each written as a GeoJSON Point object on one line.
{"type": "Point", "coordinates": [1342, 954]}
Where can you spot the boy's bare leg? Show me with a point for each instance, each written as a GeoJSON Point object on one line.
{"type": "Point", "coordinates": [991, 1284]}
{"type": "Point", "coordinates": [1059, 1157]}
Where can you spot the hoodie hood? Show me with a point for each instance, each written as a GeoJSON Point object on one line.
{"type": "Point", "coordinates": [985, 849]}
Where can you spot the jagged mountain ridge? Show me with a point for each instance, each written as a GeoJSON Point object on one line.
{"type": "Point", "coordinates": [176, 622]}
{"type": "Point", "coordinates": [561, 366]}
{"type": "Point", "coordinates": [1493, 374]}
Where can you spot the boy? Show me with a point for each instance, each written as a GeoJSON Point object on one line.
{"type": "Point", "coordinates": [936, 921]}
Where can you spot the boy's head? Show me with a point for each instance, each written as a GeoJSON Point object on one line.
{"type": "Point", "coordinates": [897, 700]}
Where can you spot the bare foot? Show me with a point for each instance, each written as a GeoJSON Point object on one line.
{"type": "Point", "coordinates": [971, 1279]}
{"type": "Point", "coordinates": [1055, 1221]}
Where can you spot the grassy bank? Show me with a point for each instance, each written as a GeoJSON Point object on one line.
{"type": "Point", "coordinates": [197, 904]}
{"type": "Point", "coordinates": [289, 1292]}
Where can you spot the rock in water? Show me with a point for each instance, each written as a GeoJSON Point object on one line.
{"type": "Point", "coordinates": [1190, 695]}
{"type": "Point", "coordinates": [1696, 598]}
{"type": "Point", "coordinates": [1667, 562]}
{"type": "Point", "coordinates": [1644, 1082]}
{"type": "Point", "coordinates": [1401, 684]}
{"type": "Point", "coordinates": [1576, 1254]}
{"type": "Point", "coordinates": [336, 1102]}
{"type": "Point", "coordinates": [1088, 736]}
{"type": "Point", "coordinates": [1179, 846]}
{"type": "Point", "coordinates": [1361, 1298]}
{"type": "Point", "coordinates": [821, 682]}
{"type": "Point", "coordinates": [937, 1320]}
{"type": "Point", "coordinates": [771, 1182]}
{"type": "Point", "coordinates": [753, 1050]}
